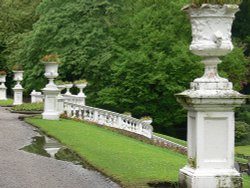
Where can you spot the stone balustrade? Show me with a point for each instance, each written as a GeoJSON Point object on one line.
{"type": "Point", "coordinates": [107, 118]}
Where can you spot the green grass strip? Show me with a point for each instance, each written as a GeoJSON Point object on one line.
{"type": "Point", "coordinates": [176, 140]}
{"type": "Point", "coordinates": [7, 102]}
{"type": "Point", "coordinates": [245, 150]}
{"type": "Point", "coordinates": [246, 182]}
{"type": "Point", "coordinates": [28, 107]}
{"type": "Point", "coordinates": [125, 159]}
{"type": "Point", "coordinates": [241, 160]}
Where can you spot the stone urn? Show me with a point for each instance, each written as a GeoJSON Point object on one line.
{"type": "Point", "coordinates": [68, 87]}
{"type": "Point", "coordinates": [147, 120]}
{"type": "Point", "coordinates": [51, 72]}
{"type": "Point", "coordinates": [61, 87]}
{"type": "Point", "coordinates": [2, 78]}
{"type": "Point", "coordinates": [211, 32]}
{"type": "Point", "coordinates": [18, 75]}
{"type": "Point", "coordinates": [81, 87]}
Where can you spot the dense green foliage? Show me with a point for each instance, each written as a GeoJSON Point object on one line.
{"type": "Point", "coordinates": [134, 54]}
{"type": "Point", "coordinates": [241, 130]}
{"type": "Point", "coordinates": [127, 160]}
{"type": "Point", "coordinates": [16, 19]}
{"type": "Point", "coordinates": [243, 115]}
{"type": "Point", "coordinates": [241, 27]}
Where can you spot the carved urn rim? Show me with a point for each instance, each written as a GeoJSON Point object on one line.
{"type": "Point", "coordinates": [211, 10]}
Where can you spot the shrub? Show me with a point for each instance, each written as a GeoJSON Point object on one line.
{"type": "Point", "coordinates": [2, 73]}
{"type": "Point", "coordinates": [17, 67]}
{"type": "Point", "coordinates": [53, 58]}
{"type": "Point", "coordinates": [80, 81]}
{"type": "Point", "coordinates": [59, 82]}
{"type": "Point", "coordinates": [241, 130]}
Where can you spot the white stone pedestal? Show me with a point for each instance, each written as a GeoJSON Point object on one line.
{"type": "Point", "coordinates": [18, 95]}
{"type": "Point", "coordinates": [51, 92]}
{"type": "Point", "coordinates": [50, 104]}
{"type": "Point", "coordinates": [210, 103]}
{"type": "Point", "coordinates": [210, 139]}
{"type": "Point", "coordinates": [3, 95]}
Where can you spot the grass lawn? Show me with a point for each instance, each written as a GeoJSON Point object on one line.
{"type": "Point", "coordinates": [127, 160]}
{"type": "Point", "coordinates": [7, 102]}
{"type": "Point", "coordinates": [246, 182]}
{"type": "Point", "coordinates": [241, 160]}
{"type": "Point", "coordinates": [176, 140]}
{"type": "Point", "coordinates": [245, 150]}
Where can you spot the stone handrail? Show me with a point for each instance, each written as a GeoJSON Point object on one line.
{"type": "Point", "coordinates": [108, 118]}
{"type": "Point", "coordinates": [61, 99]}
{"type": "Point", "coordinates": [170, 144]}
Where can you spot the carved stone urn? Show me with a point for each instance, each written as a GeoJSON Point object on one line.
{"type": "Point", "coordinates": [68, 87]}
{"type": "Point", "coordinates": [211, 32]}
{"type": "Point", "coordinates": [51, 72]}
{"type": "Point", "coordinates": [2, 78]}
{"type": "Point", "coordinates": [210, 102]}
{"type": "Point", "coordinates": [81, 87]}
{"type": "Point", "coordinates": [18, 75]}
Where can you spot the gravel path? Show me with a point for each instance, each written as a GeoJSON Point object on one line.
{"type": "Point", "coordinates": [19, 169]}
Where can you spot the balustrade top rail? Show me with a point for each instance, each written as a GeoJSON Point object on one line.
{"type": "Point", "coordinates": [108, 118]}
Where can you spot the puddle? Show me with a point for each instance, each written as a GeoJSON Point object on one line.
{"type": "Point", "coordinates": [48, 147]}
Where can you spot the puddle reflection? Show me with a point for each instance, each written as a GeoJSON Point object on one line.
{"type": "Point", "coordinates": [48, 147]}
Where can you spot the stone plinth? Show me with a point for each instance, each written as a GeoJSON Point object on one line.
{"type": "Point", "coordinates": [18, 95]}
{"type": "Point", "coordinates": [3, 95]}
{"type": "Point", "coordinates": [50, 104]}
{"type": "Point", "coordinates": [210, 138]}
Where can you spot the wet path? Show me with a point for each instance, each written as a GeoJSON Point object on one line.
{"type": "Point", "coordinates": [19, 169]}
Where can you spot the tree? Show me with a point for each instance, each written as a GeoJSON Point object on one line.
{"type": "Point", "coordinates": [76, 30]}
{"type": "Point", "coordinates": [241, 26]}
{"type": "Point", "coordinates": [134, 54]}
{"type": "Point", "coordinates": [16, 18]}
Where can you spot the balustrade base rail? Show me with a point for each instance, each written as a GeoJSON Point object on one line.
{"type": "Point", "coordinates": [170, 144]}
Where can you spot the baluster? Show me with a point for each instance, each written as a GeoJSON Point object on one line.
{"type": "Point", "coordinates": [119, 122]}
{"type": "Point", "coordinates": [140, 128]}
{"type": "Point", "coordinates": [69, 112]}
{"type": "Point", "coordinates": [80, 113]}
{"type": "Point", "coordinates": [96, 116]}
{"type": "Point", "coordinates": [85, 113]}
{"type": "Point", "coordinates": [74, 111]}
{"type": "Point", "coordinates": [92, 116]}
